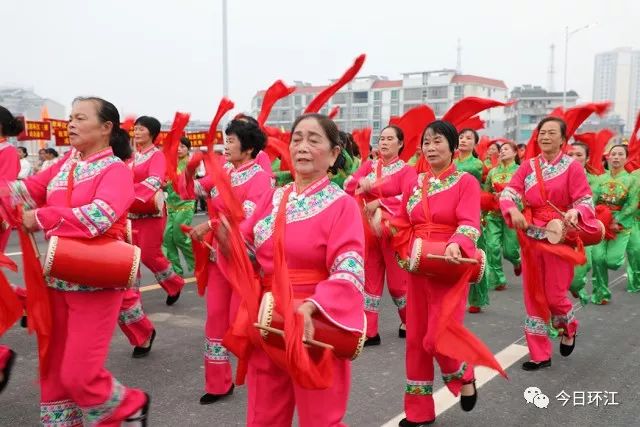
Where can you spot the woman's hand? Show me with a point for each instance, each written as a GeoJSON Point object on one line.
{"type": "Point", "coordinates": [571, 217]}
{"type": "Point", "coordinates": [453, 253]}
{"type": "Point", "coordinates": [222, 235]}
{"type": "Point", "coordinates": [199, 231]}
{"type": "Point", "coordinates": [517, 219]}
{"type": "Point", "coordinates": [29, 221]}
{"type": "Point", "coordinates": [370, 208]}
{"type": "Point", "coordinates": [307, 310]}
{"type": "Point", "coordinates": [365, 185]}
{"type": "Point", "coordinates": [615, 227]}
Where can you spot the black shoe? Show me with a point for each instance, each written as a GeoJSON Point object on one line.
{"type": "Point", "coordinates": [402, 333]}
{"type": "Point", "coordinates": [207, 398]}
{"type": "Point", "coordinates": [7, 370]}
{"type": "Point", "coordinates": [534, 366]}
{"type": "Point", "coordinates": [468, 402]}
{"type": "Point", "coordinates": [372, 341]}
{"type": "Point", "coordinates": [173, 299]}
{"type": "Point", "coordinates": [139, 352]}
{"type": "Point", "coordinates": [23, 322]}
{"type": "Point", "coordinates": [406, 423]}
{"type": "Point", "coordinates": [144, 415]}
{"type": "Point", "coordinates": [566, 350]}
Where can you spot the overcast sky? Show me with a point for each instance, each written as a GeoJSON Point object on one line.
{"type": "Point", "coordinates": [158, 56]}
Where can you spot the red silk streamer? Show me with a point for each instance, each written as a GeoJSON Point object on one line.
{"type": "Point", "coordinates": [201, 258]}
{"type": "Point", "coordinates": [277, 148]}
{"type": "Point", "coordinates": [303, 370]}
{"type": "Point", "coordinates": [633, 160]}
{"type": "Point", "coordinates": [276, 91]}
{"type": "Point", "coordinates": [362, 138]}
{"type": "Point", "coordinates": [475, 123]}
{"type": "Point", "coordinates": [468, 107]}
{"type": "Point", "coordinates": [483, 146]}
{"type": "Point", "coordinates": [10, 306]}
{"type": "Point", "coordinates": [128, 123]}
{"type": "Point", "coordinates": [334, 112]}
{"type": "Point", "coordinates": [573, 117]}
{"type": "Point", "coordinates": [412, 124]}
{"type": "Point", "coordinates": [323, 97]}
{"type": "Point", "coordinates": [171, 143]}
{"type": "Point", "coordinates": [224, 107]}
{"type": "Point", "coordinates": [597, 142]}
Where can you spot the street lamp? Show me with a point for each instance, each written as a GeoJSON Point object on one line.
{"type": "Point", "coordinates": [568, 34]}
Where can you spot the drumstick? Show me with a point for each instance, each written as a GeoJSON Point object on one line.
{"type": "Point", "coordinates": [542, 229]}
{"type": "Point", "coordinates": [281, 333]}
{"type": "Point", "coordinates": [578, 226]}
{"type": "Point", "coordinates": [446, 258]}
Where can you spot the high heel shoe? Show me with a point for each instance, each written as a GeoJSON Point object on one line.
{"type": "Point", "coordinates": [467, 403]}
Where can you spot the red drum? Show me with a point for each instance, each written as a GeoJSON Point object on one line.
{"type": "Point", "coordinates": [558, 232]}
{"type": "Point", "coordinates": [153, 206]}
{"type": "Point", "coordinates": [101, 262]}
{"type": "Point", "coordinates": [446, 272]}
{"type": "Point", "coordinates": [346, 344]}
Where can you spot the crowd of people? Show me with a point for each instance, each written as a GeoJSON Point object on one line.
{"type": "Point", "coordinates": [305, 228]}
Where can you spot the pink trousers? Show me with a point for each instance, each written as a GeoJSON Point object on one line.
{"type": "Point", "coordinates": [78, 389]}
{"type": "Point", "coordinates": [5, 353]}
{"type": "Point", "coordinates": [222, 305]}
{"type": "Point", "coordinates": [133, 322]}
{"type": "Point", "coordinates": [424, 301]}
{"type": "Point", "coordinates": [272, 396]}
{"type": "Point", "coordinates": [556, 275]}
{"type": "Point", "coordinates": [380, 261]}
{"type": "Point", "coordinates": [147, 234]}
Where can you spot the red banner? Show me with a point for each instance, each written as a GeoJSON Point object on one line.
{"type": "Point", "coordinates": [60, 131]}
{"type": "Point", "coordinates": [35, 130]}
{"type": "Point", "coordinates": [196, 138]}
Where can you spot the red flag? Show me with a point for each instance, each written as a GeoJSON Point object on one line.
{"type": "Point", "coordinates": [334, 112]}
{"type": "Point", "coordinates": [10, 307]}
{"type": "Point", "coordinates": [276, 91]}
{"type": "Point", "coordinates": [171, 143]}
{"type": "Point", "coordinates": [475, 123]}
{"type": "Point", "coordinates": [633, 160]}
{"type": "Point", "coordinates": [128, 123]}
{"type": "Point", "coordinates": [362, 138]}
{"type": "Point", "coordinates": [225, 106]}
{"type": "Point", "coordinates": [468, 107]}
{"type": "Point", "coordinates": [597, 142]}
{"type": "Point", "coordinates": [412, 124]}
{"type": "Point", "coordinates": [320, 99]}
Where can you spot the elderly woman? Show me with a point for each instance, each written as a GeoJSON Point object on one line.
{"type": "Point", "coordinates": [314, 229]}
{"type": "Point", "coordinates": [380, 259]}
{"type": "Point", "coordinates": [250, 184]}
{"type": "Point", "coordinates": [554, 177]}
{"type": "Point", "coordinates": [92, 202]}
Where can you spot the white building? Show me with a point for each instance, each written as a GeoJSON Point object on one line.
{"type": "Point", "coordinates": [373, 100]}
{"type": "Point", "coordinates": [616, 77]}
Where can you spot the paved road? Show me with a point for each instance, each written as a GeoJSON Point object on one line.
{"type": "Point", "coordinates": [607, 359]}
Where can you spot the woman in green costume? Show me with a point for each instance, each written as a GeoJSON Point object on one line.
{"type": "Point", "coordinates": [633, 248]}
{"type": "Point", "coordinates": [501, 239]}
{"type": "Point", "coordinates": [614, 190]}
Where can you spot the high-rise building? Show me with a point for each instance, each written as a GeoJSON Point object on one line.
{"type": "Point", "coordinates": [370, 101]}
{"type": "Point", "coordinates": [616, 78]}
{"type": "Point", "coordinates": [26, 103]}
{"type": "Point", "coordinates": [533, 103]}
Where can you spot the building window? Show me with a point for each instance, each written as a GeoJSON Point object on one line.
{"type": "Point", "coordinates": [394, 94]}
{"type": "Point", "coordinates": [376, 125]}
{"type": "Point", "coordinates": [308, 99]}
{"type": "Point", "coordinates": [361, 113]}
{"type": "Point", "coordinates": [439, 108]}
{"type": "Point", "coordinates": [438, 92]}
{"type": "Point", "coordinates": [298, 100]}
{"type": "Point", "coordinates": [340, 98]}
{"type": "Point", "coordinates": [360, 97]}
{"type": "Point", "coordinates": [376, 111]}
{"type": "Point", "coordinates": [458, 92]}
{"type": "Point", "coordinates": [408, 107]}
{"type": "Point", "coordinates": [284, 102]}
{"type": "Point", "coordinates": [413, 94]}
{"type": "Point", "coordinates": [377, 96]}
{"type": "Point", "coordinates": [395, 110]}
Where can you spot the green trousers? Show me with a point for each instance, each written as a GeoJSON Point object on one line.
{"type": "Point", "coordinates": [175, 241]}
{"type": "Point", "coordinates": [579, 283]}
{"type": "Point", "coordinates": [633, 259]}
{"type": "Point", "coordinates": [500, 239]}
{"type": "Point", "coordinates": [607, 255]}
{"type": "Point", "coordinates": [479, 292]}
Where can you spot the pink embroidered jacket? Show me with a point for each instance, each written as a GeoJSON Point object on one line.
{"type": "Point", "coordinates": [102, 192]}
{"type": "Point", "coordinates": [149, 168]}
{"type": "Point", "coordinates": [566, 185]}
{"type": "Point", "coordinates": [9, 162]}
{"type": "Point", "coordinates": [324, 232]}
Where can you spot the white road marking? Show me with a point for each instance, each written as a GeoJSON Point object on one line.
{"type": "Point", "coordinates": [13, 253]}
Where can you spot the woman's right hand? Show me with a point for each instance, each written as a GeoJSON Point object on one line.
{"type": "Point", "coordinates": [199, 231]}
{"type": "Point", "coordinates": [517, 219]}
{"type": "Point", "coordinates": [364, 185]}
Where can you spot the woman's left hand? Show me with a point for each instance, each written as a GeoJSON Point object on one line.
{"type": "Point", "coordinates": [29, 221]}
{"type": "Point", "coordinates": [571, 217]}
{"type": "Point", "coordinates": [453, 253]}
{"type": "Point", "coordinates": [370, 208]}
{"type": "Point", "coordinates": [307, 309]}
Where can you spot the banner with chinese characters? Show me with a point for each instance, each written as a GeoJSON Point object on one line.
{"type": "Point", "coordinates": [34, 130]}
{"type": "Point", "coordinates": [60, 131]}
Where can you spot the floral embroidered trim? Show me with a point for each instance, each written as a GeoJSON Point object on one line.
{"type": "Point", "coordinates": [153, 183]}
{"type": "Point", "coordinates": [349, 262]}
{"type": "Point", "coordinates": [248, 207]}
{"type": "Point", "coordinates": [355, 256]}
{"type": "Point", "coordinates": [161, 276]}
{"type": "Point", "coordinates": [83, 171]}
{"type": "Point", "coordinates": [387, 170]}
{"type": "Point", "coordinates": [372, 302]}
{"type": "Point", "coordinates": [105, 207]}
{"type": "Point", "coordinates": [299, 208]}
{"type": "Point", "coordinates": [242, 177]}
{"type": "Point", "coordinates": [586, 201]}
{"type": "Point", "coordinates": [535, 326]}
{"type": "Point", "coordinates": [510, 194]}
{"type": "Point", "coordinates": [469, 232]}
{"type": "Point", "coordinates": [132, 314]}
{"type": "Point", "coordinates": [140, 158]}
{"type": "Point", "coordinates": [63, 285]}
{"type": "Point", "coordinates": [214, 351]}
{"type": "Point", "coordinates": [77, 212]}
{"type": "Point", "coordinates": [400, 302]}
{"type": "Point", "coordinates": [447, 378]}
{"type": "Point", "coordinates": [437, 186]}
{"type": "Point", "coordinates": [536, 233]}
{"type": "Point", "coordinates": [20, 194]}
{"type": "Point", "coordinates": [99, 221]}
{"type": "Point", "coordinates": [349, 278]}
{"type": "Point", "coordinates": [94, 414]}
{"type": "Point", "coordinates": [563, 320]}
{"type": "Point", "coordinates": [64, 413]}
{"type": "Point", "coordinates": [419, 388]}
{"type": "Point", "coordinates": [549, 171]}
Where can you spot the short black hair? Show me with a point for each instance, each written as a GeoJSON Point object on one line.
{"type": "Point", "coordinates": [563, 125]}
{"type": "Point", "coordinates": [399, 135]}
{"type": "Point", "coordinates": [249, 134]}
{"type": "Point", "coordinates": [584, 146]}
{"type": "Point", "coordinates": [476, 137]}
{"type": "Point", "coordinates": [185, 141]}
{"type": "Point", "coordinates": [623, 146]}
{"type": "Point", "coordinates": [23, 150]}
{"type": "Point", "coordinates": [51, 151]}
{"type": "Point", "coordinates": [446, 129]}
{"type": "Point", "coordinates": [10, 125]}
{"type": "Point", "coordinates": [151, 123]}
